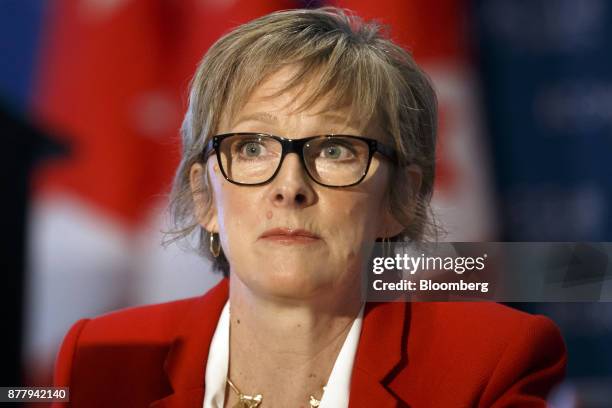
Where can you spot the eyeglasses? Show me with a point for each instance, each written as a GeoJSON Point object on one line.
{"type": "Point", "coordinates": [253, 159]}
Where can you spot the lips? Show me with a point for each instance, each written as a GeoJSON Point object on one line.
{"type": "Point", "coordinates": [289, 236]}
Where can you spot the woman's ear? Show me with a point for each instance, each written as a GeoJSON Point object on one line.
{"type": "Point", "coordinates": [390, 226]}
{"type": "Point", "coordinates": [207, 217]}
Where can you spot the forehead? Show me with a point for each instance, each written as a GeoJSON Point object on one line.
{"type": "Point", "coordinates": [280, 97]}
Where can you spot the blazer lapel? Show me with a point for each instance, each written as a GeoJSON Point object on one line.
{"type": "Point", "coordinates": [380, 353]}
{"type": "Point", "coordinates": [185, 363]}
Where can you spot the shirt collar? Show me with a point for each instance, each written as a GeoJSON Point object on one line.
{"type": "Point", "coordinates": [379, 352]}
{"type": "Point", "coordinates": [338, 385]}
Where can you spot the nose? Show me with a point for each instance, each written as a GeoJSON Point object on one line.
{"type": "Point", "coordinates": [292, 187]}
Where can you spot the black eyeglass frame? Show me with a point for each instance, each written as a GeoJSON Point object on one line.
{"type": "Point", "coordinates": [297, 146]}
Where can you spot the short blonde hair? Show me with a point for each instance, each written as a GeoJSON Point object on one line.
{"type": "Point", "coordinates": [338, 55]}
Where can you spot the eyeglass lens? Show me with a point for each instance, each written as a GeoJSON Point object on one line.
{"type": "Point", "coordinates": [335, 161]}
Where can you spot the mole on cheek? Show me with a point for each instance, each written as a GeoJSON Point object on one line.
{"type": "Point", "coordinates": [269, 215]}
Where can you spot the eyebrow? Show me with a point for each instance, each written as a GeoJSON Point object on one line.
{"type": "Point", "coordinates": [268, 118]}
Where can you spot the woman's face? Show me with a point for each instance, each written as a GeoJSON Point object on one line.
{"type": "Point", "coordinates": [336, 227]}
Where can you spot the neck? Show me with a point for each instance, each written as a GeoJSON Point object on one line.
{"type": "Point", "coordinates": [276, 344]}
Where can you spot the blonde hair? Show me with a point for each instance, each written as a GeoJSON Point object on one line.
{"type": "Point", "coordinates": [338, 55]}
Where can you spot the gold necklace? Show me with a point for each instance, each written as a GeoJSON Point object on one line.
{"type": "Point", "coordinates": [254, 401]}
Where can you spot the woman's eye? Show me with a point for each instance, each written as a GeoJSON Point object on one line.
{"type": "Point", "coordinates": [251, 149]}
{"type": "Point", "coordinates": [336, 151]}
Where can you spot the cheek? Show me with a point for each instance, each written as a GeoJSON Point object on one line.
{"type": "Point", "coordinates": [365, 206]}
{"type": "Point", "coordinates": [353, 219]}
{"type": "Point", "coordinates": [237, 214]}
{"type": "Point", "coordinates": [359, 214]}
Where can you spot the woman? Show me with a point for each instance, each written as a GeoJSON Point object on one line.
{"type": "Point", "coordinates": [309, 135]}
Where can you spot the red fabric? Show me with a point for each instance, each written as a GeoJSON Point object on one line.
{"type": "Point", "coordinates": [409, 354]}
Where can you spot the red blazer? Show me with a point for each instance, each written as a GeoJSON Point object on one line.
{"type": "Point", "coordinates": [409, 354]}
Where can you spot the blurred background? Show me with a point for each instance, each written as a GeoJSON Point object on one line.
{"type": "Point", "coordinates": [91, 98]}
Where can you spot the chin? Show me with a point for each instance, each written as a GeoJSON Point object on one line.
{"type": "Point", "coordinates": [292, 281]}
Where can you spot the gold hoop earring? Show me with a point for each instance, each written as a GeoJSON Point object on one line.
{"type": "Point", "coordinates": [214, 244]}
